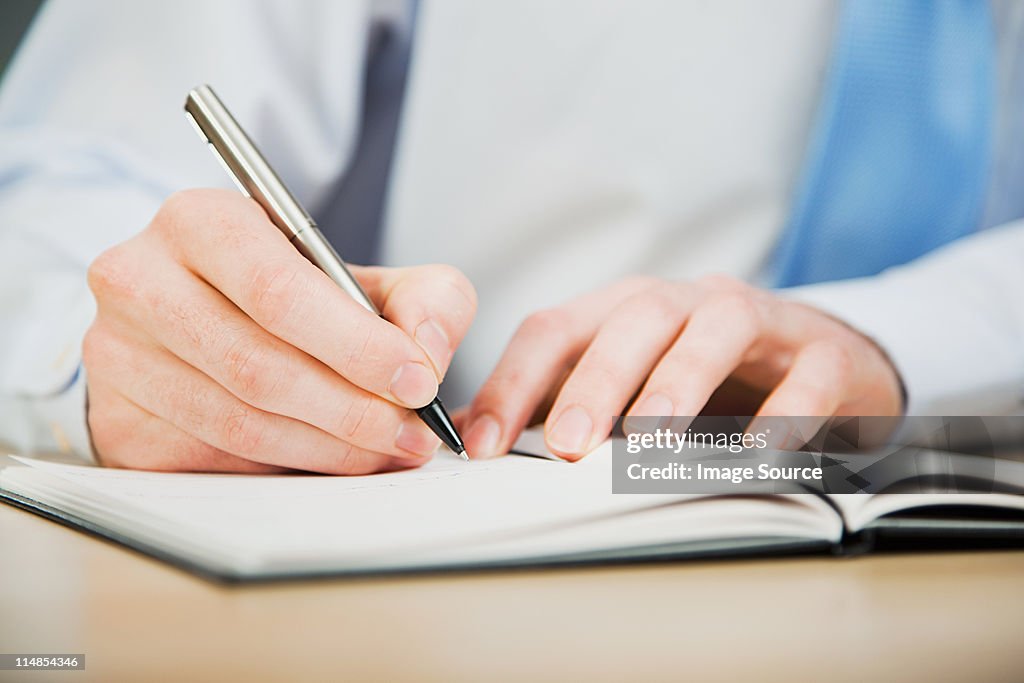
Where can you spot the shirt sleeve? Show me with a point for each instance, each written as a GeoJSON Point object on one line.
{"type": "Point", "coordinates": [93, 139]}
{"type": "Point", "coordinates": [952, 322]}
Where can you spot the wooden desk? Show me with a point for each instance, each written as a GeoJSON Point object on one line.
{"type": "Point", "coordinates": [939, 617]}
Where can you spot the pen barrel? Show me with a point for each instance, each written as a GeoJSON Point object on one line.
{"type": "Point", "coordinates": [244, 162]}
{"type": "Point", "coordinates": [312, 244]}
{"type": "Point", "coordinates": [256, 179]}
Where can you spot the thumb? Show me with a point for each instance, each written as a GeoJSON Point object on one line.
{"type": "Point", "coordinates": [433, 304]}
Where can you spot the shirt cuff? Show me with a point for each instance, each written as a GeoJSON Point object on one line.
{"type": "Point", "coordinates": [64, 418]}
{"type": "Point", "coordinates": [46, 389]}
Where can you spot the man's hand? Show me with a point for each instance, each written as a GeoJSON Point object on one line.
{"type": "Point", "coordinates": [675, 347]}
{"type": "Point", "coordinates": [217, 347]}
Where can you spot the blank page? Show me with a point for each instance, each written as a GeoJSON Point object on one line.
{"type": "Point", "coordinates": [447, 512]}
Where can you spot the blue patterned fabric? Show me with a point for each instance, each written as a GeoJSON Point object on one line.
{"type": "Point", "coordinates": [899, 160]}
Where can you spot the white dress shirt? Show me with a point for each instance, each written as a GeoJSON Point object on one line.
{"type": "Point", "coordinates": [547, 148]}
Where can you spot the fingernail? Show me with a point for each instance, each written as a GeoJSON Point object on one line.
{"type": "Point", "coordinates": [414, 385]}
{"type": "Point", "coordinates": [572, 431]}
{"type": "Point", "coordinates": [416, 438]}
{"type": "Point", "coordinates": [482, 437]}
{"type": "Point", "coordinates": [431, 337]}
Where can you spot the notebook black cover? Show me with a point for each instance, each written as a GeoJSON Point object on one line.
{"type": "Point", "coordinates": [946, 527]}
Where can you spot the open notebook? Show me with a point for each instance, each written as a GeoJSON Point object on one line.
{"type": "Point", "coordinates": [512, 511]}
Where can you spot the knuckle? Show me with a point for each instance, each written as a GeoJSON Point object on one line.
{"type": "Point", "coordinates": [777, 408]}
{"type": "Point", "coordinates": [252, 369]}
{"type": "Point", "coordinates": [346, 460]}
{"type": "Point", "coordinates": [455, 279]}
{"type": "Point", "coordinates": [277, 292]}
{"type": "Point", "coordinates": [720, 282]}
{"type": "Point", "coordinates": [193, 409]}
{"type": "Point", "coordinates": [684, 373]}
{"type": "Point", "coordinates": [788, 406]}
{"type": "Point", "coordinates": [196, 200]}
{"type": "Point", "coordinates": [662, 299]}
{"type": "Point", "coordinates": [241, 429]}
{"type": "Point", "coordinates": [107, 435]}
{"type": "Point", "coordinates": [803, 399]}
{"type": "Point", "coordinates": [179, 202]}
{"type": "Point", "coordinates": [115, 431]}
{"type": "Point", "coordinates": [590, 377]}
{"type": "Point", "coordinates": [550, 324]}
{"type": "Point", "coordinates": [176, 211]}
{"type": "Point", "coordinates": [498, 394]}
{"type": "Point", "coordinates": [351, 460]}
{"type": "Point", "coordinates": [456, 297]}
{"type": "Point", "coordinates": [221, 211]}
{"type": "Point", "coordinates": [501, 394]}
{"type": "Point", "coordinates": [111, 274]}
{"type": "Point", "coordinates": [812, 397]}
{"type": "Point", "coordinates": [640, 283]}
{"type": "Point", "coordinates": [837, 357]}
{"type": "Point", "coordinates": [363, 340]}
{"type": "Point", "coordinates": [742, 311]}
{"type": "Point", "coordinates": [232, 222]}
{"type": "Point", "coordinates": [93, 346]}
{"type": "Point", "coordinates": [357, 417]}
{"type": "Point", "coordinates": [814, 403]}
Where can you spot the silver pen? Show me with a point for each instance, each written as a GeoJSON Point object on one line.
{"type": "Point", "coordinates": [256, 179]}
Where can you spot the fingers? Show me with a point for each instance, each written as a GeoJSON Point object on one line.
{"type": "Point", "coordinates": [541, 351]}
{"type": "Point", "coordinates": [207, 331]}
{"type": "Point", "coordinates": [617, 361]}
{"type": "Point", "coordinates": [815, 383]}
{"type": "Point", "coordinates": [682, 343]}
{"type": "Point", "coordinates": [537, 359]}
{"type": "Point", "coordinates": [125, 438]}
{"type": "Point", "coordinates": [432, 304]}
{"type": "Point", "coordinates": [230, 243]}
{"type": "Point", "coordinates": [244, 329]}
{"type": "Point", "coordinates": [640, 335]}
{"type": "Point", "coordinates": [172, 390]}
{"type": "Point", "coordinates": [811, 392]}
{"type": "Point", "coordinates": [715, 341]}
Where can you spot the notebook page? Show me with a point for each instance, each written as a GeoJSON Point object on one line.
{"type": "Point", "coordinates": [448, 512]}
{"type": "Point", "coordinates": [446, 503]}
{"type": "Point", "coordinates": [860, 509]}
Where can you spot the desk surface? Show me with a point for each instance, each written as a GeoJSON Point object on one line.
{"type": "Point", "coordinates": [933, 617]}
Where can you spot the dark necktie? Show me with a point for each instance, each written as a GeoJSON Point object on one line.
{"type": "Point", "coordinates": [352, 219]}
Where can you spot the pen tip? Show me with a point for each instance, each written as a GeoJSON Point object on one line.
{"type": "Point", "coordinates": [462, 454]}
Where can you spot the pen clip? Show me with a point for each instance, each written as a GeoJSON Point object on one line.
{"type": "Point", "coordinates": [244, 162]}
{"type": "Point", "coordinates": [216, 155]}
{"type": "Point", "coordinates": [231, 174]}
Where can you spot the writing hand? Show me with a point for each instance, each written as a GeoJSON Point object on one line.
{"type": "Point", "coordinates": [218, 347]}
